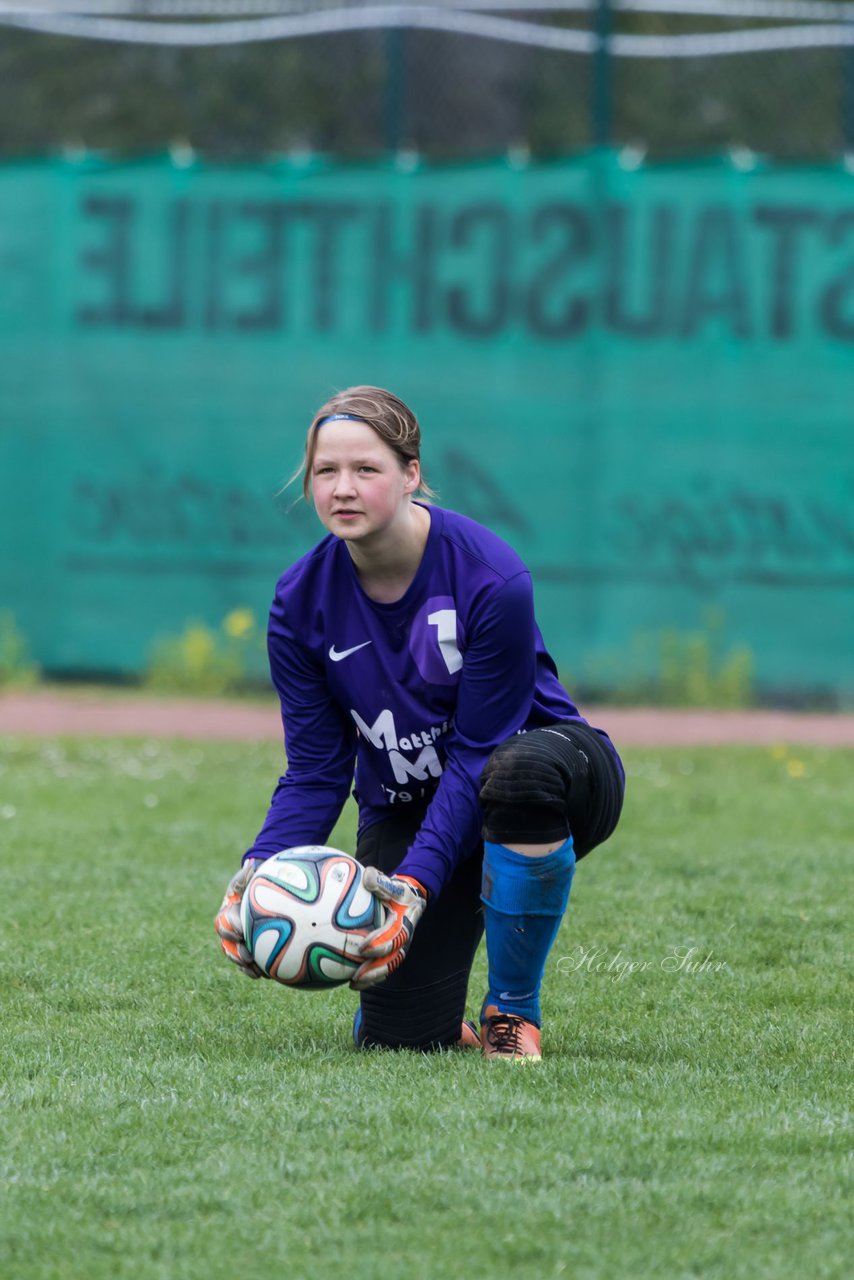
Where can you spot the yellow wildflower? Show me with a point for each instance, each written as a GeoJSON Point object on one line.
{"type": "Point", "coordinates": [239, 623]}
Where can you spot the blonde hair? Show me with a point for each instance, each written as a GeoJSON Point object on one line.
{"type": "Point", "coordinates": [386, 414]}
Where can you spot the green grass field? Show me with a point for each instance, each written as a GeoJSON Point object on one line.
{"type": "Point", "coordinates": [163, 1117]}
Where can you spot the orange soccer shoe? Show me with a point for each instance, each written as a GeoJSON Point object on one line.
{"type": "Point", "coordinates": [506, 1036]}
{"type": "Point", "coordinates": [469, 1036]}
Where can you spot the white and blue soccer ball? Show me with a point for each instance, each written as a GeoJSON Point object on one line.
{"type": "Point", "coordinates": [306, 913]}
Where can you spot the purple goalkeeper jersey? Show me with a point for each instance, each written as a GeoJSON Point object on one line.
{"type": "Point", "coordinates": [415, 694]}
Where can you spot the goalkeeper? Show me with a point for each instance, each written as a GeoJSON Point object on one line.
{"type": "Point", "coordinates": [404, 646]}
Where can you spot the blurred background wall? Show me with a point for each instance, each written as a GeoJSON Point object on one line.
{"type": "Point", "coordinates": [607, 253]}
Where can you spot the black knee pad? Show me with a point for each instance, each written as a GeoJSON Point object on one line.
{"type": "Point", "coordinates": [526, 785]}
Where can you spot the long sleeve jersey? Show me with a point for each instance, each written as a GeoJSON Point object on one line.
{"type": "Point", "coordinates": [414, 694]}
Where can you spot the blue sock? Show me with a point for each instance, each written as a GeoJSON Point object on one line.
{"type": "Point", "coordinates": [524, 899]}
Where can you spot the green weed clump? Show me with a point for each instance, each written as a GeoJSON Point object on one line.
{"type": "Point", "coordinates": [17, 670]}
{"type": "Point", "coordinates": [674, 668]}
{"type": "Point", "coordinates": [207, 660]}
{"type": "Point", "coordinates": [694, 674]}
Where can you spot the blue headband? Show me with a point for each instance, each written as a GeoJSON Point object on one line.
{"type": "Point", "coordinates": [339, 417]}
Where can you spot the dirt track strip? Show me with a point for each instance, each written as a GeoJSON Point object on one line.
{"type": "Point", "coordinates": [50, 714]}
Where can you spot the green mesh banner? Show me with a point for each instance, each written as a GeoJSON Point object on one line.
{"type": "Point", "coordinates": [643, 379]}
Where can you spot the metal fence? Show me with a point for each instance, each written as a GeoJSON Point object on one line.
{"type": "Point", "coordinates": [243, 78]}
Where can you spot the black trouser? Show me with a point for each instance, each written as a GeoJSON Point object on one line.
{"type": "Point", "coordinates": [422, 1005]}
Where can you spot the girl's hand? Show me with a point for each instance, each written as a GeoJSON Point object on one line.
{"type": "Point", "coordinates": [385, 949]}
{"type": "Point", "coordinates": [228, 924]}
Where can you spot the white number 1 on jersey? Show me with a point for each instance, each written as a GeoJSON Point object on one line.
{"type": "Point", "coordinates": [445, 622]}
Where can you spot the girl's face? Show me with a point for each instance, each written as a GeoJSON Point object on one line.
{"type": "Point", "coordinates": [359, 485]}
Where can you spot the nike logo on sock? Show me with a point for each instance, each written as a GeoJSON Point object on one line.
{"type": "Point", "coordinates": [345, 653]}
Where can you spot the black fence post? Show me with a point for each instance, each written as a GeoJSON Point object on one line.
{"type": "Point", "coordinates": [847, 94]}
{"type": "Point", "coordinates": [602, 77]}
{"type": "Point", "coordinates": [395, 88]}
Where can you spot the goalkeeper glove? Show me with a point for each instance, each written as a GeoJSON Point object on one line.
{"type": "Point", "coordinates": [228, 924]}
{"type": "Point", "coordinates": [404, 900]}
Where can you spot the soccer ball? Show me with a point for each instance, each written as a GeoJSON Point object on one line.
{"type": "Point", "coordinates": [305, 915]}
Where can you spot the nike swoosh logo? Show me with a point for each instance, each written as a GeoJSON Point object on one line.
{"type": "Point", "coordinates": [345, 653]}
{"type": "Point", "coordinates": [508, 995]}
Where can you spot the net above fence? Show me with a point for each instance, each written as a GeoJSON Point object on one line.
{"type": "Point", "coordinates": [237, 78]}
